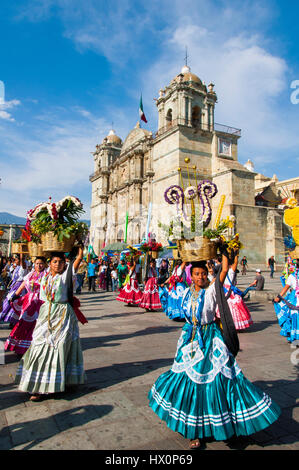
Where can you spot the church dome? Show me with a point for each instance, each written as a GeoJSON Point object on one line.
{"type": "Point", "coordinates": [112, 138]}
{"type": "Point", "coordinates": [187, 76]}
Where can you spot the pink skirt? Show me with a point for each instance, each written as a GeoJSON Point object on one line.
{"type": "Point", "coordinates": [20, 337]}
{"type": "Point", "coordinates": [150, 299]}
{"type": "Point", "coordinates": [130, 293]}
{"type": "Point", "coordinates": [240, 313]}
{"type": "Point", "coordinates": [102, 281]}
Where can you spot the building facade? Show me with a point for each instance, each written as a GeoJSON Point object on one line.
{"type": "Point", "coordinates": [131, 176]}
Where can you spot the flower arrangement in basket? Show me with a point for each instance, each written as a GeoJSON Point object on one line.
{"type": "Point", "coordinates": [132, 254]}
{"type": "Point", "coordinates": [152, 247]}
{"type": "Point", "coordinates": [195, 240]}
{"type": "Point", "coordinates": [58, 223]}
{"type": "Point", "coordinates": [291, 218]}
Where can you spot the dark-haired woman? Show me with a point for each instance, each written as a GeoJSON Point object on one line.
{"type": "Point", "coordinates": [19, 271]}
{"type": "Point", "coordinates": [130, 292]}
{"type": "Point", "coordinates": [54, 359]}
{"type": "Point", "coordinates": [150, 299]}
{"type": "Point", "coordinates": [205, 394]}
{"type": "Point", "coordinates": [27, 308]}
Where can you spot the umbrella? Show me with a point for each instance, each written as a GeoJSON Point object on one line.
{"type": "Point", "coordinates": [117, 246]}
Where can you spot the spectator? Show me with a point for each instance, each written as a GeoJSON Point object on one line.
{"type": "Point", "coordinates": [91, 274]}
{"type": "Point", "coordinates": [114, 279]}
{"type": "Point", "coordinates": [81, 276]}
{"type": "Point", "coordinates": [271, 263]}
{"type": "Point", "coordinates": [138, 272]}
{"type": "Point", "coordinates": [109, 277]}
{"type": "Point", "coordinates": [244, 264]}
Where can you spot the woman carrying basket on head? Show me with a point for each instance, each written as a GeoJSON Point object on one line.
{"type": "Point", "coordinates": [54, 360]}
{"type": "Point", "coordinates": [205, 393]}
{"type": "Point", "coordinates": [130, 292]}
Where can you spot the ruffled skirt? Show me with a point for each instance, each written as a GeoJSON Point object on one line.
{"type": "Point", "coordinates": [175, 297]}
{"type": "Point", "coordinates": [163, 295]}
{"type": "Point", "coordinates": [150, 298]}
{"type": "Point", "coordinates": [205, 394]}
{"type": "Point", "coordinates": [20, 337]}
{"type": "Point", "coordinates": [54, 358]}
{"type": "Point", "coordinates": [239, 311]}
{"type": "Point", "coordinates": [8, 314]}
{"type": "Point", "coordinates": [130, 293]}
{"type": "Point", "coordinates": [288, 319]}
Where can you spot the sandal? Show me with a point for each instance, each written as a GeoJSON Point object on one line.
{"type": "Point", "coordinates": [37, 397]}
{"type": "Point", "coordinates": [194, 444]}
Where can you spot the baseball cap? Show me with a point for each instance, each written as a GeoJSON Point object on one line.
{"type": "Point", "coordinates": [258, 270]}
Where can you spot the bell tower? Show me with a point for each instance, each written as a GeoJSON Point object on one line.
{"type": "Point", "coordinates": [186, 101]}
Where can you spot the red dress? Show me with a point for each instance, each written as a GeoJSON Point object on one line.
{"type": "Point", "coordinates": [130, 293]}
{"type": "Point", "coordinates": [27, 308]}
{"type": "Point", "coordinates": [240, 313]}
{"type": "Point", "coordinates": [150, 299]}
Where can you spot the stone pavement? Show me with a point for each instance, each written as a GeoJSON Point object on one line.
{"type": "Point", "coordinates": [125, 350]}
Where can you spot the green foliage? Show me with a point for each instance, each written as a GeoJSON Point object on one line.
{"type": "Point", "coordinates": [64, 225]}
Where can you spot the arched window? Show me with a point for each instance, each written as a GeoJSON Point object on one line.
{"type": "Point", "coordinates": [196, 116]}
{"type": "Point", "coordinates": [120, 235]}
{"type": "Point", "coordinates": [169, 117]}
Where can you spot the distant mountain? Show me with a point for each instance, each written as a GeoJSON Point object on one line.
{"type": "Point", "coordinates": [6, 218]}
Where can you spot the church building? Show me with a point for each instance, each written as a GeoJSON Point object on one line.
{"type": "Point", "coordinates": [131, 176]}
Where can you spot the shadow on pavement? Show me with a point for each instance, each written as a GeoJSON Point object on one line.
{"type": "Point", "coordinates": [45, 428]}
{"type": "Point", "coordinates": [95, 342]}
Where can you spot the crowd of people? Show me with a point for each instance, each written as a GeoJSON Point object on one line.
{"type": "Point", "coordinates": [205, 393]}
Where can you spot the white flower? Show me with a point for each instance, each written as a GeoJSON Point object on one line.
{"type": "Point", "coordinates": [74, 199]}
{"type": "Point", "coordinates": [190, 192]}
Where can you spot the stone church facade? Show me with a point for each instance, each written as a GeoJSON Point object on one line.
{"type": "Point", "coordinates": [130, 177]}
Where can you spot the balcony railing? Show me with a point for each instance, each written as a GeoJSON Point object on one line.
{"type": "Point", "coordinates": [196, 125]}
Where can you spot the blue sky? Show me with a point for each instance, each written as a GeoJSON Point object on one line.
{"type": "Point", "coordinates": [71, 68]}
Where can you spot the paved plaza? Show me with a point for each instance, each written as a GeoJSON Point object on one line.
{"type": "Point", "coordinates": [125, 350]}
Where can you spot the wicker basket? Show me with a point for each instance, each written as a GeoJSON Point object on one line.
{"type": "Point", "coordinates": [175, 253]}
{"type": "Point", "coordinates": [51, 243]}
{"type": "Point", "coordinates": [197, 249]}
{"type": "Point", "coordinates": [19, 248]}
{"type": "Point", "coordinates": [154, 254]}
{"type": "Point", "coordinates": [295, 253]}
{"type": "Point", "coordinates": [36, 250]}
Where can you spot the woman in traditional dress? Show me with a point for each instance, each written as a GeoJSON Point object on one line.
{"type": "Point", "coordinates": [150, 298]}
{"type": "Point", "coordinates": [54, 360]}
{"type": "Point", "coordinates": [205, 394]}
{"type": "Point", "coordinates": [163, 290]}
{"type": "Point", "coordinates": [176, 287]}
{"type": "Point", "coordinates": [287, 309]}
{"type": "Point", "coordinates": [130, 292]}
{"type": "Point", "coordinates": [239, 310]}
{"type": "Point", "coordinates": [27, 308]}
{"type": "Point", "coordinates": [8, 314]}
{"type": "Point", "coordinates": [102, 276]}
{"type": "Point", "coordinates": [122, 271]}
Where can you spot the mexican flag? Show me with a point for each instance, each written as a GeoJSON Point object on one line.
{"type": "Point", "coordinates": [141, 113]}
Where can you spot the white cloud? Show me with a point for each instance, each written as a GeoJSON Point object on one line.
{"type": "Point", "coordinates": [4, 105]}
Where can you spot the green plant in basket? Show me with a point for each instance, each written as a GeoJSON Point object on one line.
{"type": "Point", "coordinates": [61, 218]}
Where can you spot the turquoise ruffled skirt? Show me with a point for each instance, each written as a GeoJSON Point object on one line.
{"type": "Point", "coordinates": [205, 394]}
{"type": "Point", "coordinates": [174, 304]}
{"type": "Point", "coordinates": [288, 319]}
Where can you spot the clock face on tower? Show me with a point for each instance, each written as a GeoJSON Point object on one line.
{"type": "Point", "coordinates": [224, 147]}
